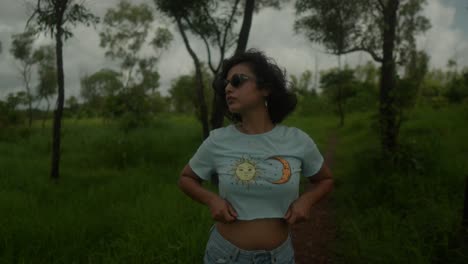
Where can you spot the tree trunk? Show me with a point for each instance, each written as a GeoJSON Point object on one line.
{"type": "Point", "coordinates": [46, 113]}
{"type": "Point", "coordinates": [29, 106]}
{"type": "Point", "coordinates": [340, 106]}
{"type": "Point", "coordinates": [217, 115]}
{"type": "Point", "coordinates": [200, 86]}
{"type": "Point", "coordinates": [465, 212]}
{"type": "Point", "coordinates": [27, 77]}
{"type": "Point", "coordinates": [59, 11]}
{"type": "Point", "coordinates": [388, 127]}
{"type": "Point", "coordinates": [246, 25]}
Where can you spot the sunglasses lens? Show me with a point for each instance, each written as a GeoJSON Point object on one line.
{"type": "Point", "coordinates": [236, 80]}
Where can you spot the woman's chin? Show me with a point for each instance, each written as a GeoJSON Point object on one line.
{"type": "Point", "coordinates": [233, 109]}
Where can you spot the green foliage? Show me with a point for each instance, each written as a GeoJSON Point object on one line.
{"type": "Point", "coordinates": [457, 90]}
{"type": "Point", "coordinates": [408, 88]}
{"type": "Point", "coordinates": [107, 207]}
{"type": "Point", "coordinates": [10, 115]}
{"type": "Point", "coordinates": [125, 32]}
{"type": "Point", "coordinates": [96, 88]}
{"type": "Point", "coordinates": [21, 49]}
{"type": "Point", "coordinates": [47, 72]}
{"type": "Point", "coordinates": [21, 46]}
{"type": "Point", "coordinates": [338, 86]}
{"type": "Point", "coordinates": [312, 105]}
{"type": "Point", "coordinates": [350, 26]}
{"type": "Point", "coordinates": [303, 85]}
{"type": "Point", "coordinates": [72, 107]}
{"type": "Point", "coordinates": [183, 93]}
{"type": "Point", "coordinates": [410, 209]}
{"type": "Point", "coordinates": [46, 12]}
{"type": "Point", "coordinates": [108, 203]}
{"type": "Point", "coordinates": [366, 90]}
{"type": "Point", "coordinates": [318, 21]}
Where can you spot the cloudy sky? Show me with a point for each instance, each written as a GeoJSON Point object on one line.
{"type": "Point", "coordinates": [272, 31]}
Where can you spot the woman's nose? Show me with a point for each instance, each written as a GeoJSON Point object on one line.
{"type": "Point", "coordinates": [228, 88]}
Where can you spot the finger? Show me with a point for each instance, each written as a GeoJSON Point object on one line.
{"type": "Point", "coordinates": [227, 216]}
{"type": "Point", "coordinates": [288, 214]}
{"type": "Point", "coordinates": [292, 219]}
{"type": "Point", "coordinates": [231, 210]}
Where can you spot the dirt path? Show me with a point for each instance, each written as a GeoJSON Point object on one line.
{"type": "Point", "coordinates": [312, 240]}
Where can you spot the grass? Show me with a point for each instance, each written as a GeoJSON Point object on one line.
{"type": "Point", "coordinates": [410, 212]}
{"type": "Point", "coordinates": [117, 200]}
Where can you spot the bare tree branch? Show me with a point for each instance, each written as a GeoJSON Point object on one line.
{"type": "Point", "coordinates": [207, 45]}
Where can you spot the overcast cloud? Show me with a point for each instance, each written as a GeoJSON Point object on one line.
{"type": "Point", "coordinates": [272, 31]}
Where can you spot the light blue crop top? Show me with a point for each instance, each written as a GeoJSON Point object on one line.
{"type": "Point", "coordinates": [258, 174]}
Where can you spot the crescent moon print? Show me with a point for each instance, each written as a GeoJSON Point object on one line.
{"type": "Point", "coordinates": [286, 171]}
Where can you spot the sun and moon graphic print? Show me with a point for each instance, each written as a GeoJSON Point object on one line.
{"type": "Point", "coordinates": [248, 171]}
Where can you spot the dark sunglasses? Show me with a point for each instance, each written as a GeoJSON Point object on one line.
{"type": "Point", "coordinates": [236, 81]}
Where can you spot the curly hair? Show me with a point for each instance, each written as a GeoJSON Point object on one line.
{"type": "Point", "coordinates": [281, 101]}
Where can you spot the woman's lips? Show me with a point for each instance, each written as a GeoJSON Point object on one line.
{"type": "Point", "coordinates": [230, 99]}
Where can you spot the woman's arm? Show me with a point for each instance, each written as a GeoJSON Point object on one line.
{"type": "Point", "coordinates": [191, 184]}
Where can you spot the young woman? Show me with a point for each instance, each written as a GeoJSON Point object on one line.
{"type": "Point", "coordinates": [258, 162]}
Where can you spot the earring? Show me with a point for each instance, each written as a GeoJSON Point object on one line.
{"type": "Point", "coordinates": [266, 103]}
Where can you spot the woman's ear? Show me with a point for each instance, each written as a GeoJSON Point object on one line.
{"type": "Point", "coordinates": [265, 92]}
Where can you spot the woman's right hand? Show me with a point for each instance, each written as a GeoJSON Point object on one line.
{"type": "Point", "coordinates": [222, 210]}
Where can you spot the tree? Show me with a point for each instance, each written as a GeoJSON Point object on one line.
{"type": "Point", "coordinates": [409, 90]}
{"type": "Point", "coordinates": [212, 22]}
{"type": "Point", "coordinates": [303, 84]}
{"type": "Point", "coordinates": [72, 104]}
{"type": "Point", "coordinates": [21, 49]}
{"type": "Point", "coordinates": [181, 12]}
{"type": "Point", "coordinates": [47, 72]}
{"type": "Point", "coordinates": [99, 88]}
{"type": "Point", "coordinates": [54, 17]}
{"type": "Point", "coordinates": [339, 85]}
{"type": "Point", "coordinates": [366, 97]}
{"type": "Point", "coordinates": [385, 30]}
{"type": "Point", "coordinates": [126, 30]}
{"type": "Point", "coordinates": [182, 90]}
{"type": "Point", "coordinates": [10, 114]}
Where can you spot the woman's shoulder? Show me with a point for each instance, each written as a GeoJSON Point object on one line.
{"type": "Point", "coordinates": [290, 131]}
{"type": "Point", "coordinates": [220, 132]}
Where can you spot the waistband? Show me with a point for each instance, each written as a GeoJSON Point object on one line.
{"type": "Point", "coordinates": [238, 253]}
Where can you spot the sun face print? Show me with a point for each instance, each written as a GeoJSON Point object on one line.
{"type": "Point", "coordinates": [245, 171]}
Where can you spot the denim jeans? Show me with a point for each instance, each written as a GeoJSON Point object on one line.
{"type": "Point", "coordinates": [219, 250]}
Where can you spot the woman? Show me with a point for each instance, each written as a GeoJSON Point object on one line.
{"type": "Point", "coordinates": [258, 162]}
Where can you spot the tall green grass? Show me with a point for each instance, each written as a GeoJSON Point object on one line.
{"type": "Point", "coordinates": [410, 212]}
{"type": "Point", "coordinates": [117, 199]}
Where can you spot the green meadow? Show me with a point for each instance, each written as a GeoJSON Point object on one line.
{"type": "Point", "coordinates": [117, 199]}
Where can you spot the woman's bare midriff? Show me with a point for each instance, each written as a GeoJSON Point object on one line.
{"type": "Point", "coordinates": [266, 234]}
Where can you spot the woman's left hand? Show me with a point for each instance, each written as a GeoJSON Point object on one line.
{"type": "Point", "coordinates": [298, 211]}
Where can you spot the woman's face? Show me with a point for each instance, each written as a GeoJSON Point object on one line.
{"type": "Point", "coordinates": [247, 96]}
